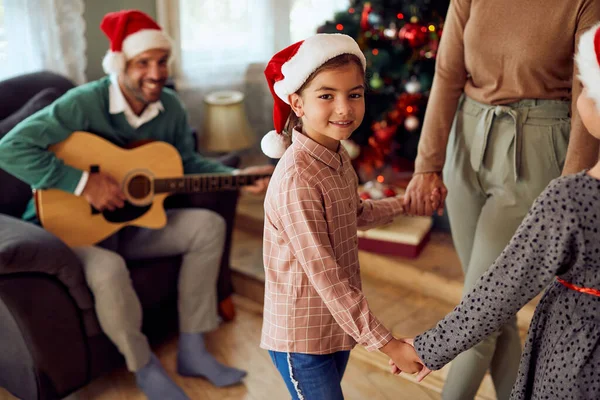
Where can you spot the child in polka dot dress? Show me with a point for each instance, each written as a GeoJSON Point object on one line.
{"type": "Point", "coordinates": [556, 247]}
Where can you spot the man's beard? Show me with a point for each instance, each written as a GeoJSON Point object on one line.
{"type": "Point", "coordinates": [138, 91]}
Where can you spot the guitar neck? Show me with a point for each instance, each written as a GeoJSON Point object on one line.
{"type": "Point", "coordinates": [204, 183]}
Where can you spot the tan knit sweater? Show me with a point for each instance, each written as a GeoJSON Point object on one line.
{"type": "Point", "coordinates": [502, 51]}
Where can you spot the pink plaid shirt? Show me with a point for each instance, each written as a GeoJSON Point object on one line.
{"type": "Point", "coordinates": [313, 295]}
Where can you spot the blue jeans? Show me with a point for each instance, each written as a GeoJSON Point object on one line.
{"type": "Point", "coordinates": [312, 376]}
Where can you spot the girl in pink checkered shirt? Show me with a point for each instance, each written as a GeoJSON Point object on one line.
{"type": "Point", "coordinates": [315, 311]}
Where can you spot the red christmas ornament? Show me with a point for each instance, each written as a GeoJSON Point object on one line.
{"type": "Point", "coordinates": [373, 155]}
{"type": "Point", "coordinates": [365, 196]}
{"type": "Point", "coordinates": [364, 17]}
{"type": "Point", "coordinates": [389, 192]}
{"type": "Point", "coordinates": [383, 132]}
{"type": "Point", "coordinates": [414, 34]}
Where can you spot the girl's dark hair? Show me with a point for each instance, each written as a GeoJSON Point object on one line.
{"type": "Point", "coordinates": [336, 62]}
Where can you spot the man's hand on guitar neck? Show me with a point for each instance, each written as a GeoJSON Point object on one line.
{"type": "Point", "coordinates": [103, 192]}
{"type": "Point", "coordinates": [260, 186]}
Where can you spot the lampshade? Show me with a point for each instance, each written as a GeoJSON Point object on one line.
{"type": "Point", "coordinates": [226, 126]}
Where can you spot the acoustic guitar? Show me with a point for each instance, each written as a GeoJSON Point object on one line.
{"type": "Point", "coordinates": [147, 174]}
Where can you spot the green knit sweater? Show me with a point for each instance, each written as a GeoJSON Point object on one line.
{"type": "Point", "coordinates": [23, 151]}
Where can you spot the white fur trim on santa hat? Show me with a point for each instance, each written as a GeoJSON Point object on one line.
{"type": "Point", "coordinates": [274, 144]}
{"type": "Point", "coordinates": [587, 62]}
{"type": "Point", "coordinates": [314, 52]}
{"type": "Point", "coordinates": [144, 40]}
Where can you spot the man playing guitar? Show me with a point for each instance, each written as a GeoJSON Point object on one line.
{"type": "Point", "coordinates": [131, 104]}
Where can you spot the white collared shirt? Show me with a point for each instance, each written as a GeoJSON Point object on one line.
{"type": "Point", "coordinates": [118, 104]}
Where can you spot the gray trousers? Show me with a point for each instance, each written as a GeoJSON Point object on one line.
{"type": "Point", "coordinates": [499, 159]}
{"type": "Point", "coordinates": [198, 235]}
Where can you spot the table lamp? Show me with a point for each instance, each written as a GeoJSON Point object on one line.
{"type": "Point", "coordinates": [226, 126]}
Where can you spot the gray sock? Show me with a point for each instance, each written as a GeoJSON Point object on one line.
{"type": "Point", "coordinates": [153, 380]}
{"type": "Point", "coordinates": [194, 360]}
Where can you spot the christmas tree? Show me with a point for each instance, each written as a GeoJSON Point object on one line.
{"type": "Point", "coordinates": [399, 39]}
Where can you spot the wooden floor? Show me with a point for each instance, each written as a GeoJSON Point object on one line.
{"type": "Point", "coordinates": [236, 344]}
{"type": "Point", "coordinates": [406, 312]}
{"type": "Point", "coordinates": [407, 295]}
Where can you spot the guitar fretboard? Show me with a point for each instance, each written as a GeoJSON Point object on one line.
{"type": "Point", "coordinates": [204, 183]}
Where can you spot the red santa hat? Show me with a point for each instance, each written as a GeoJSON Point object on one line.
{"type": "Point", "coordinates": [289, 69]}
{"type": "Point", "coordinates": [130, 32]}
{"type": "Point", "coordinates": [588, 62]}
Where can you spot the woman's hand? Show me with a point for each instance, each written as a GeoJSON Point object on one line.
{"type": "Point", "coordinates": [425, 194]}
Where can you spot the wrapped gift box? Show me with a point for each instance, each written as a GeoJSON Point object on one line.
{"type": "Point", "coordinates": [405, 237]}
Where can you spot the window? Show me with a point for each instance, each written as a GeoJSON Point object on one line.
{"type": "Point", "coordinates": [42, 35]}
{"type": "Point", "coordinates": [218, 39]}
{"type": "Point", "coordinates": [3, 43]}
{"type": "Point", "coordinates": [307, 15]}
{"type": "Point", "coordinates": [220, 26]}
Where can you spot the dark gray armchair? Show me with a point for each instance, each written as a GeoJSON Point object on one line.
{"type": "Point", "coordinates": [51, 343]}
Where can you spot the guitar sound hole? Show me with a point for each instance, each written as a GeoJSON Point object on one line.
{"type": "Point", "coordinates": [139, 187]}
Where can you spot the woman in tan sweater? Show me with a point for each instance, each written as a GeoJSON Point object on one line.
{"type": "Point", "coordinates": [498, 123]}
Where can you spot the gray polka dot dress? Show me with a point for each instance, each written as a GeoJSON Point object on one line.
{"type": "Point", "coordinates": [559, 237]}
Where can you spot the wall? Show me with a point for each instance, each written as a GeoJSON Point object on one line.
{"type": "Point", "coordinates": [97, 43]}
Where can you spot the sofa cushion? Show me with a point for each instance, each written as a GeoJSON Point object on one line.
{"type": "Point", "coordinates": [15, 193]}
{"type": "Point", "coordinates": [16, 91]}
{"type": "Point", "coordinates": [41, 334]}
{"type": "Point", "coordinates": [27, 248]}
{"type": "Point", "coordinates": [44, 98]}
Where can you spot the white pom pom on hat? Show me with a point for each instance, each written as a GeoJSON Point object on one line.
{"type": "Point", "coordinates": [113, 62]}
{"type": "Point", "coordinates": [130, 33]}
{"type": "Point", "coordinates": [287, 71]}
{"type": "Point", "coordinates": [274, 144]}
{"type": "Point", "coordinates": [588, 62]}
